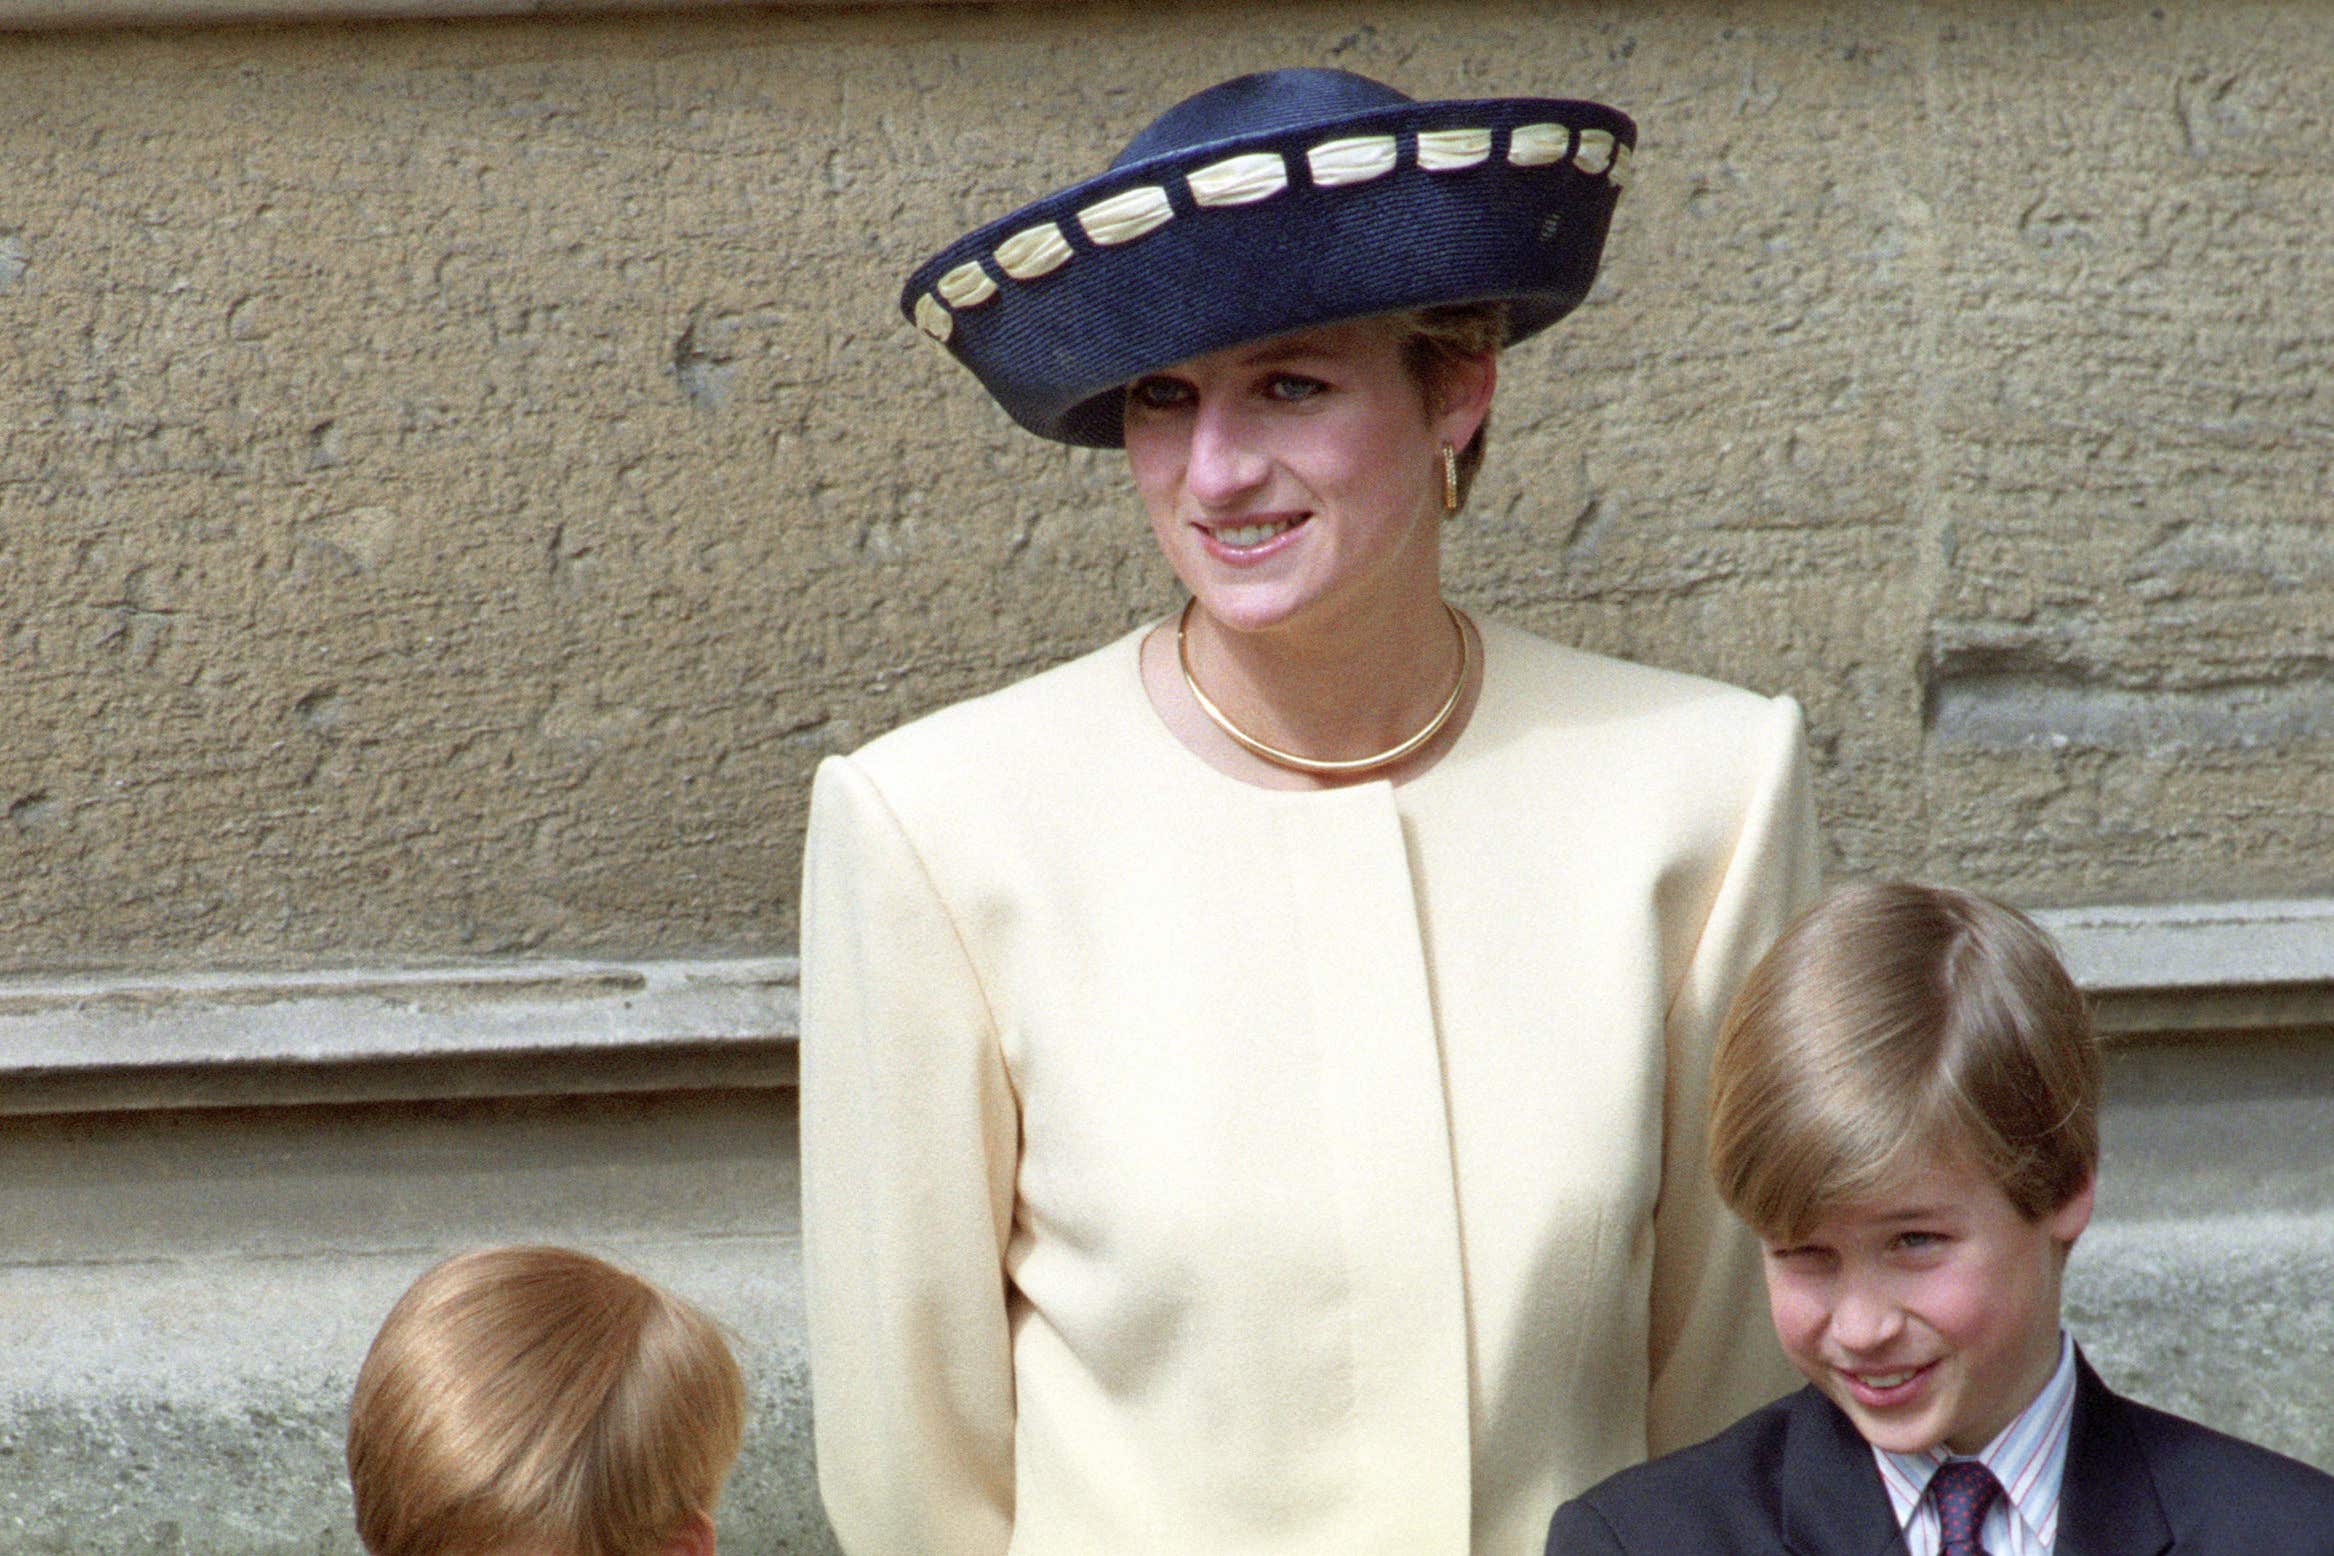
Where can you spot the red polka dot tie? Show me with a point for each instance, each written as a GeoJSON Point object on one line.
{"type": "Point", "coordinates": [1964, 1489]}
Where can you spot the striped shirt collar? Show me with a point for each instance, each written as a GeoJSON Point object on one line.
{"type": "Point", "coordinates": [2029, 1458]}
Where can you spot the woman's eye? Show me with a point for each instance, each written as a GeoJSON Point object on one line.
{"type": "Point", "coordinates": [1920, 1242]}
{"type": "Point", "coordinates": [1292, 386]}
{"type": "Point", "coordinates": [1156, 394]}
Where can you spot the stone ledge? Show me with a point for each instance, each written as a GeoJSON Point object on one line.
{"type": "Point", "coordinates": [556, 1028]}
{"type": "Point", "coordinates": [2166, 969]}
{"type": "Point", "coordinates": [390, 1035]}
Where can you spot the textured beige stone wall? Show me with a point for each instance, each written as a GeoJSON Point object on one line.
{"type": "Point", "coordinates": [90, 14]}
{"type": "Point", "coordinates": [458, 478]}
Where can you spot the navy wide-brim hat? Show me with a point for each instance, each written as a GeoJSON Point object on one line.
{"type": "Point", "coordinates": [1270, 203]}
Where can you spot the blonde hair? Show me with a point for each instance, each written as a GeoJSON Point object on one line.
{"type": "Point", "coordinates": [1435, 341]}
{"type": "Point", "coordinates": [539, 1398]}
{"type": "Point", "coordinates": [1893, 1020]}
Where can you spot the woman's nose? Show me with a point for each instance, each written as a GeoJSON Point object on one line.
{"type": "Point", "coordinates": [1225, 464]}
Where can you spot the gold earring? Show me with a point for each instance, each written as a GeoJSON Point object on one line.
{"type": "Point", "coordinates": [1450, 479]}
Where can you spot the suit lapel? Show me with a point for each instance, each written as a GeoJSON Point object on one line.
{"type": "Point", "coordinates": [1832, 1500]}
{"type": "Point", "coordinates": [2108, 1504]}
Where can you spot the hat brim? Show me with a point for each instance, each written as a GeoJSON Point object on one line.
{"type": "Point", "coordinates": [1058, 306]}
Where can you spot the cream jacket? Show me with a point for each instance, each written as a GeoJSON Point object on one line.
{"type": "Point", "coordinates": [1197, 1169]}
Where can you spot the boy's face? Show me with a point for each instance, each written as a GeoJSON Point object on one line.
{"type": "Point", "coordinates": [1928, 1313]}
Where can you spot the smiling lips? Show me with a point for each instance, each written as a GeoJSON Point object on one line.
{"type": "Point", "coordinates": [1244, 542]}
{"type": "Point", "coordinates": [1880, 1390]}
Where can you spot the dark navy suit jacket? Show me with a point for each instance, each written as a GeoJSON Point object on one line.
{"type": "Point", "coordinates": [1794, 1477]}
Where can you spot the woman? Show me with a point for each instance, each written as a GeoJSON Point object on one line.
{"type": "Point", "coordinates": [1252, 1074]}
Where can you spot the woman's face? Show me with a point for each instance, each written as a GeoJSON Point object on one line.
{"type": "Point", "coordinates": [1297, 480]}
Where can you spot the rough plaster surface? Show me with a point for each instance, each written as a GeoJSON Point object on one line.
{"type": "Point", "coordinates": [460, 477]}
{"type": "Point", "coordinates": [211, 13]}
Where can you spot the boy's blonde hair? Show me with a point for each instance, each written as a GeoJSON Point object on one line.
{"type": "Point", "coordinates": [540, 1399]}
{"type": "Point", "coordinates": [1891, 1020]}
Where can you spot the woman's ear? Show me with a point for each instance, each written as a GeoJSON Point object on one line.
{"type": "Point", "coordinates": [695, 1538]}
{"type": "Point", "coordinates": [1466, 390]}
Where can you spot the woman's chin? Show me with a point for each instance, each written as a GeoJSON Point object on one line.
{"type": "Point", "coordinates": [1244, 598]}
{"type": "Point", "coordinates": [1248, 611]}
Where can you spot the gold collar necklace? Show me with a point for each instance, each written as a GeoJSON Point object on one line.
{"type": "Point", "coordinates": [1315, 765]}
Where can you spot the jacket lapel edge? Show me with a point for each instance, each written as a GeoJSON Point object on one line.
{"type": "Point", "coordinates": [2108, 1504]}
{"type": "Point", "coordinates": [1832, 1501]}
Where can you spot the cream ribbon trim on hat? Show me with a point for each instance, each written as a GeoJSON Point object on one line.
{"type": "Point", "coordinates": [1244, 180]}
{"type": "Point", "coordinates": [1538, 145]}
{"type": "Point", "coordinates": [1356, 159]}
{"type": "Point", "coordinates": [933, 319]}
{"type": "Point", "coordinates": [1127, 215]}
{"type": "Point", "coordinates": [1446, 151]}
{"type": "Point", "coordinates": [1037, 251]}
{"type": "Point", "coordinates": [1241, 180]}
{"type": "Point", "coordinates": [967, 286]}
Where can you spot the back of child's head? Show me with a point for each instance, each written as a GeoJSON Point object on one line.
{"type": "Point", "coordinates": [1890, 1023]}
{"type": "Point", "coordinates": [540, 1400]}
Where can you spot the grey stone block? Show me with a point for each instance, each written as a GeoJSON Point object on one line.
{"type": "Point", "coordinates": [2223, 1319]}
{"type": "Point", "coordinates": [187, 1296]}
{"type": "Point", "coordinates": [203, 1410]}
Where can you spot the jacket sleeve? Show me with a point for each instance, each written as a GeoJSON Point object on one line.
{"type": "Point", "coordinates": [1576, 1530]}
{"type": "Point", "coordinates": [1714, 1355]}
{"type": "Point", "coordinates": [909, 1140]}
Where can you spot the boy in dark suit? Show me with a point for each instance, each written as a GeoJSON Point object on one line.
{"type": "Point", "coordinates": [1904, 1104]}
